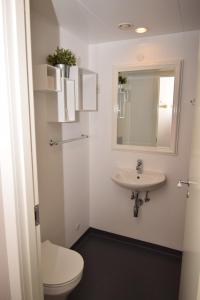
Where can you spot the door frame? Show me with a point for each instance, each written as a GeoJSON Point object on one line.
{"type": "Point", "coordinates": [18, 152]}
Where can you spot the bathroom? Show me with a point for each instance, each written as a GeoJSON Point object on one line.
{"type": "Point", "coordinates": [131, 241]}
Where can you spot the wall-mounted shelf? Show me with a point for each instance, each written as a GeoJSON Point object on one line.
{"type": "Point", "coordinates": [61, 106]}
{"type": "Point", "coordinates": [85, 88]}
{"type": "Point", "coordinates": [46, 78]}
{"type": "Point", "coordinates": [78, 93]}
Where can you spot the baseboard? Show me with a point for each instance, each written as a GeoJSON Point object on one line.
{"type": "Point", "coordinates": [150, 246]}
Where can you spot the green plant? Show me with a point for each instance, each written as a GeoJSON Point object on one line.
{"type": "Point", "coordinates": [62, 56]}
{"type": "Point", "coordinates": [122, 79]}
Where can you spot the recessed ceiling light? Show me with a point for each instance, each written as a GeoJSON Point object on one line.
{"type": "Point", "coordinates": [125, 26]}
{"type": "Point", "coordinates": [141, 29]}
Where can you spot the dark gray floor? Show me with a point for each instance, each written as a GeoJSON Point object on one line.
{"type": "Point", "coordinates": [117, 270]}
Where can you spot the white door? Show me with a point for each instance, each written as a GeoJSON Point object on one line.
{"type": "Point", "coordinates": [17, 153]}
{"type": "Point", "coordinates": [35, 238]}
{"type": "Point", "coordinates": [190, 277]}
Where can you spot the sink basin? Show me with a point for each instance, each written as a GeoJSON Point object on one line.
{"type": "Point", "coordinates": [130, 179]}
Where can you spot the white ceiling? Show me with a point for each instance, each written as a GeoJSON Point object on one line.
{"type": "Point", "coordinates": [96, 20]}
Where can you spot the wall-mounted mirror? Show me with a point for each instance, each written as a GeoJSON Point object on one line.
{"type": "Point", "coordinates": [146, 107]}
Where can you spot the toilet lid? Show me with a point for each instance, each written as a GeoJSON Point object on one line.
{"type": "Point", "coordinates": [60, 265]}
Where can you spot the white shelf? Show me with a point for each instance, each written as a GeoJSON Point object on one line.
{"type": "Point", "coordinates": [85, 88]}
{"type": "Point", "coordinates": [61, 106]}
{"type": "Point", "coordinates": [65, 96]}
{"type": "Point", "coordinates": [46, 78]}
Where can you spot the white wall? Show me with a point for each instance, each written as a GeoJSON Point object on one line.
{"type": "Point", "coordinates": [45, 38]}
{"type": "Point", "coordinates": [76, 158]}
{"type": "Point", "coordinates": [190, 273]}
{"type": "Point", "coordinates": [161, 220]}
{"type": "Point", "coordinates": [63, 171]}
{"type": "Point", "coordinates": [79, 47]}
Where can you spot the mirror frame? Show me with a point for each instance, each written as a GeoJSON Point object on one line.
{"type": "Point", "coordinates": [178, 67]}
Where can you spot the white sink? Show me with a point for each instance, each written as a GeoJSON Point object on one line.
{"type": "Point", "coordinates": [147, 181]}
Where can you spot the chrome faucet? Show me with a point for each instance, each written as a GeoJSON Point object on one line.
{"type": "Point", "coordinates": [139, 166]}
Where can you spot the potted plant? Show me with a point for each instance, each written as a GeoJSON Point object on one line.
{"type": "Point", "coordinates": [122, 80]}
{"type": "Point", "coordinates": [62, 58]}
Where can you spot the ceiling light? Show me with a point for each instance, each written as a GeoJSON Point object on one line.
{"type": "Point", "coordinates": [141, 29]}
{"type": "Point", "coordinates": [125, 26]}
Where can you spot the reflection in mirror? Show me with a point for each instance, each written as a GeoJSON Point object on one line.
{"type": "Point", "coordinates": [145, 105]}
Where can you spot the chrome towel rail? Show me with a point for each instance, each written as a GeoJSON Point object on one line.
{"type": "Point", "coordinates": [56, 142]}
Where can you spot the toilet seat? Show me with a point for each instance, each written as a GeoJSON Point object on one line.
{"type": "Point", "coordinates": [60, 266]}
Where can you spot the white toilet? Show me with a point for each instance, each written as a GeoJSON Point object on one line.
{"type": "Point", "coordinates": [62, 270]}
